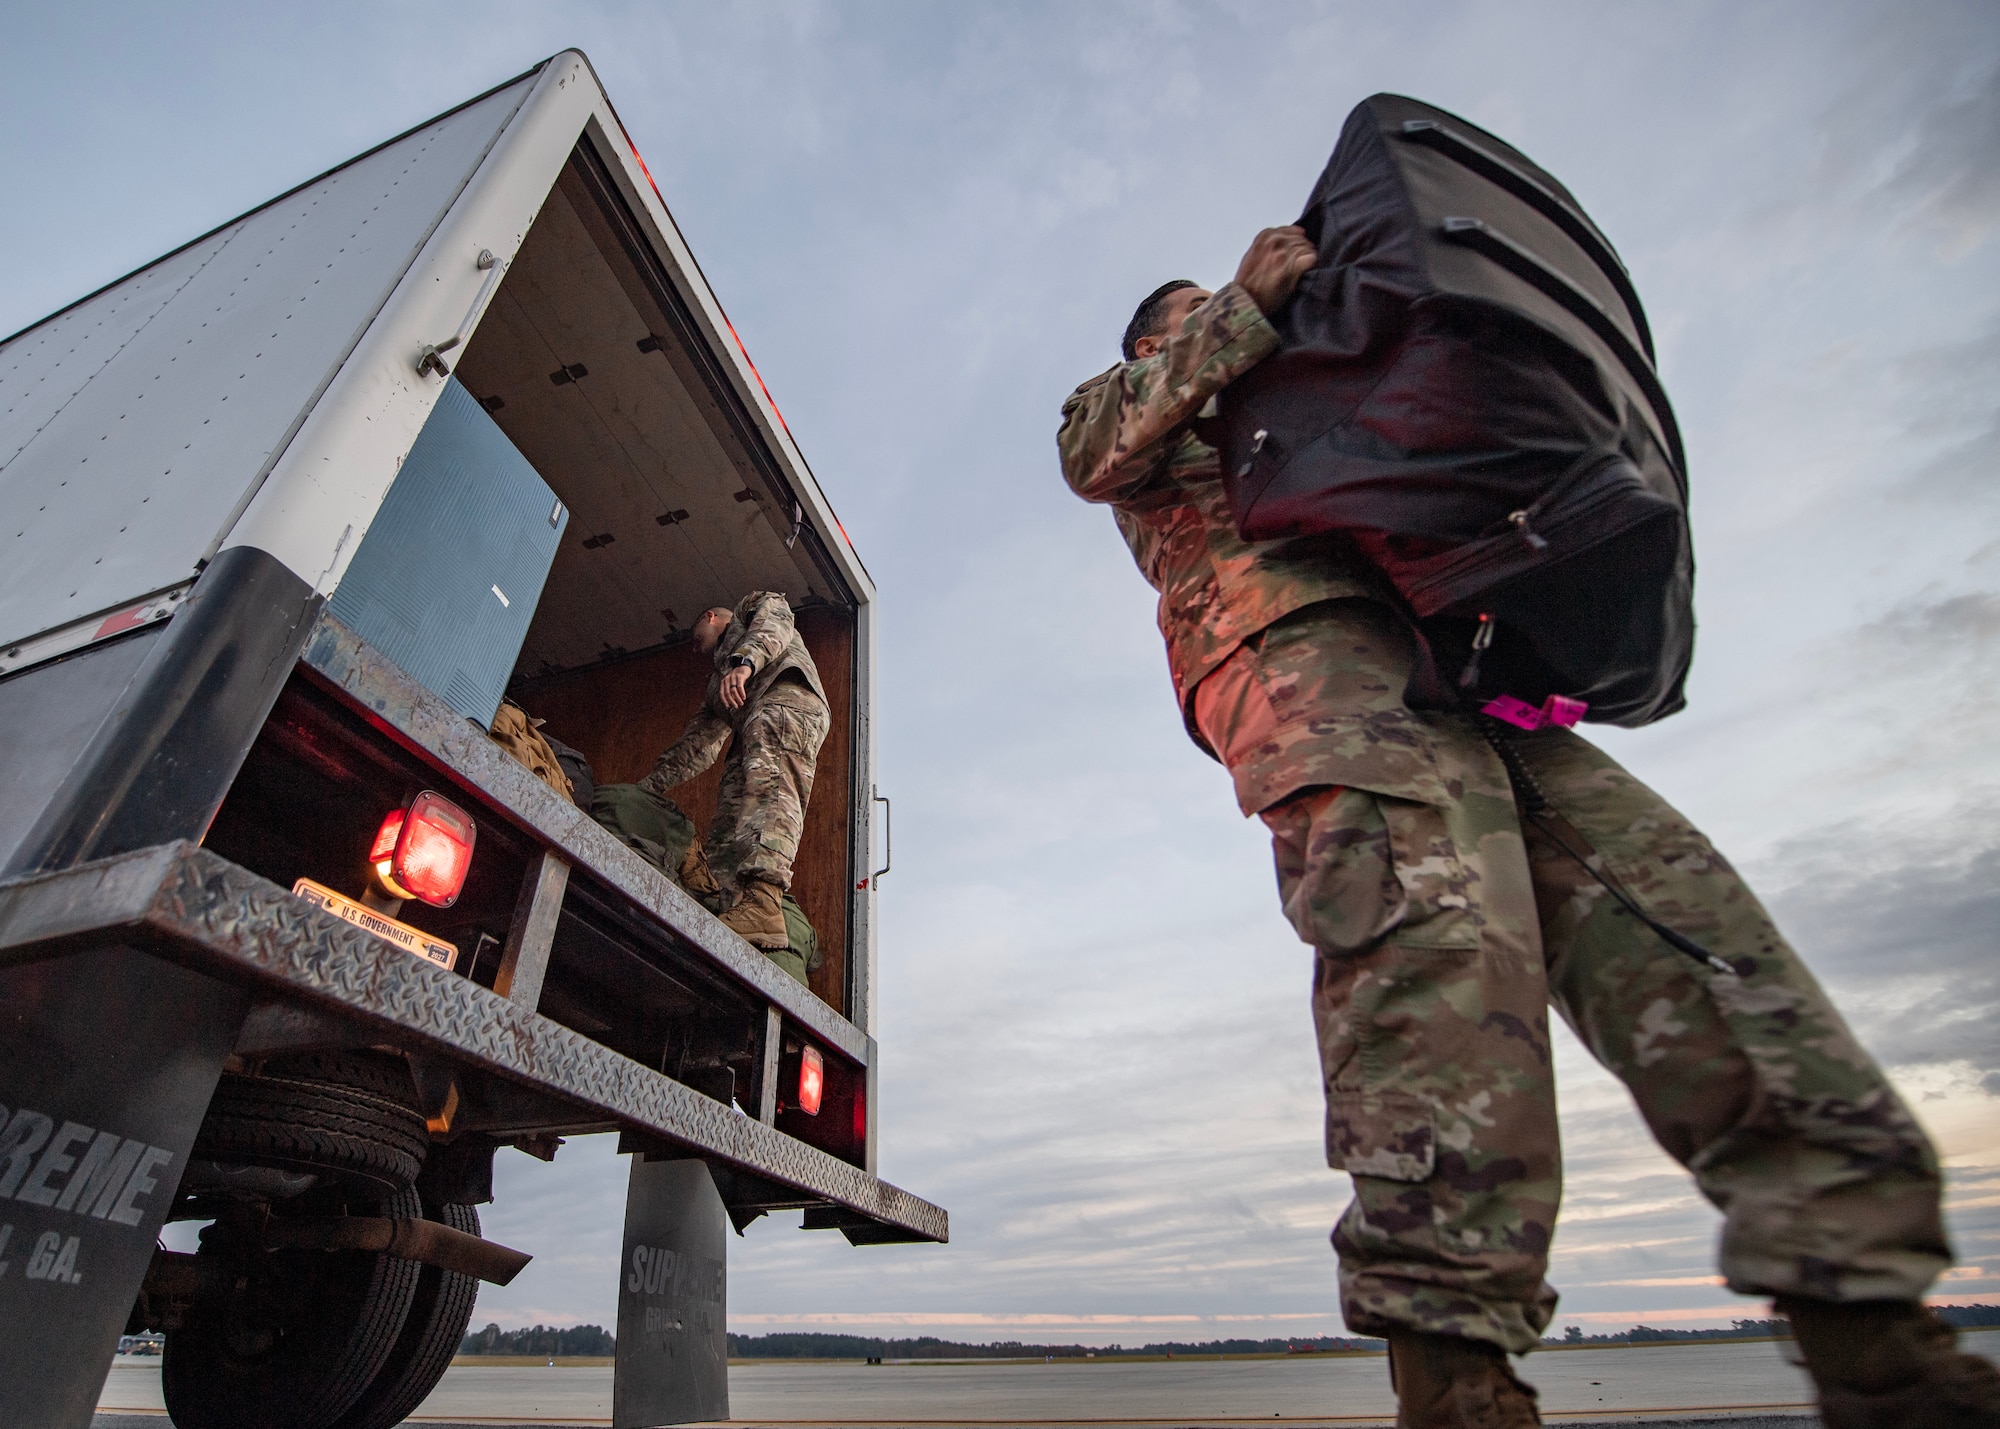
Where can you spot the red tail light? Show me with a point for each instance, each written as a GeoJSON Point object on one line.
{"type": "Point", "coordinates": [424, 852]}
{"type": "Point", "coordinates": [812, 1080]}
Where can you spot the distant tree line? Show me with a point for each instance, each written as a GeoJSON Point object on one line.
{"type": "Point", "coordinates": [800, 1346]}
{"type": "Point", "coordinates": [1648, 1335]}
{"type": "Point", "coordinates": [1962, 1316]}
{"type": "Point", "coordinates": [540, 1340]}
{"type": "Point", "coordinates": [594, 1340]}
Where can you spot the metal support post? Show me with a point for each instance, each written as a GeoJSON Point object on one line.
{"type": "Point", "coordinates": [525, 960]}
{"type": "Point", "coordinates": [767, 1081]}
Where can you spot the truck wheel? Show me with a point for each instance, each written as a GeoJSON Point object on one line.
{"type": "Point", "coordinates": [431, 1336]}
{"type": "Point", "coordinates": [294, 1337]}
{"type": "Point", "coordinates": [348, 1116]}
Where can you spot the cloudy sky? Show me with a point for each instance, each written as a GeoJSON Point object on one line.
{"type": "Point", "coordinates": [929, 222]}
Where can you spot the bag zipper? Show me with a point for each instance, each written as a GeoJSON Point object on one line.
{"type": "Point", "coordinates": [1521, 522]}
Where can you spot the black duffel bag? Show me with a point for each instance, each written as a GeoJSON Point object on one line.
{"type": "Point", "coordinates": [1465, 388]}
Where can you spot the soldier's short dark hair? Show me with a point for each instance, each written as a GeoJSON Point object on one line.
{"type": "Point", "coordinates": [1146, 321]}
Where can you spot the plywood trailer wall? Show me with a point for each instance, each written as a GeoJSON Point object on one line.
{"type": "Point", "coordinates": [624, 714]}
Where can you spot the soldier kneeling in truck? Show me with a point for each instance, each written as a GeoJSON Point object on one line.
{"type": "Point", "coordinates": [765, 700]}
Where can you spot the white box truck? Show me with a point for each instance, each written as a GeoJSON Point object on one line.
{"type": "Point", "coordinates": [282, 516]}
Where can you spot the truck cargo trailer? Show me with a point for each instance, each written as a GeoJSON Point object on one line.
{"type": "Point", "coordinates": [284, 516]}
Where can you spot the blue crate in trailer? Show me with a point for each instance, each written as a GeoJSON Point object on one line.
{"type": "Point", "coordinates": [447, 578]}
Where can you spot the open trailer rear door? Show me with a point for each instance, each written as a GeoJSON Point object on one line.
{"type": "Point", "coordinates": [286, 513]}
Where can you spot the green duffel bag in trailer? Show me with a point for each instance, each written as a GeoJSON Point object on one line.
{"type": "Point", "coordinates": [655, 828]}
{"type": "Point", "coordinates": [647, 823]}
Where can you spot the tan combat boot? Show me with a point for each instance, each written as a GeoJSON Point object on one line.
{"type": "Point", "coordinates": [1449, 1382]}
{"type": "Point", "coordinates": [1891, 1364]}
{"type": "Point", "coordinates": [758, 916]}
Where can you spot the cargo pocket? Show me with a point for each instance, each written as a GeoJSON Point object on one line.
{"type": "Point", "coordinates": [1391, 1136]}
{"type": "Point", "coordinates": [1355, 868]}
{"type": "Point", "coordinates": [1439, 890]}
{"type": "Point", "coordinates": [1336, 881]}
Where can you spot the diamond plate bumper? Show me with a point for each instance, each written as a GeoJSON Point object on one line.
{"type": "Point", "coordinates": [182, 903]}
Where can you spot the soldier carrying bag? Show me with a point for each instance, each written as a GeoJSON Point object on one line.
{"type": "Point", "coordinates": [1464, 389]}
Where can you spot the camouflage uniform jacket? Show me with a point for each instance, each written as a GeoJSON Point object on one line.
{"type": "Point", "coordinates": [1125, 441]}
{"type": "Point", "coordinates": [763, 632]}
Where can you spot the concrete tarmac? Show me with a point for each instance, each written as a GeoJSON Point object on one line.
{"type": "Point", "coordinates": [1749, 1384]}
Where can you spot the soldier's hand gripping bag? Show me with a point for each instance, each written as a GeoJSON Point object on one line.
{"type": "Point", "coordinates": [1465, 387]}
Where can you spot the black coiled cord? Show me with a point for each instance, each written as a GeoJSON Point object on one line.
{"type": "Point", "coordinates": [1534, 805]}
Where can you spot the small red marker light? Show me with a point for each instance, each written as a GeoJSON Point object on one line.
{"type": "Point", "coordinates": [426, 851]}
{"type": "Point", "coordinates": [812, 1080]}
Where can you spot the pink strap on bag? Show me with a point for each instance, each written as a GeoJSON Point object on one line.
{"type": "Point", "coordinates": [1558, 710]}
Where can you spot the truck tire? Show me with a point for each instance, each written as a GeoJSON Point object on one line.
{"type": "Point", "coordinates": [298, 1336]}
{"type": "Point", "coordinates": [431, 1336]}
{"type": "Point", "coordinates": [348, 1117]}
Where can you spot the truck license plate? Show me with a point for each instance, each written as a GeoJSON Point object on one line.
{"type": "Point", "coordinates": [409, 939]}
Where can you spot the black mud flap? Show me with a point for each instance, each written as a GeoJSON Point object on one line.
{"type": "Point", "coordinates": [673, 1344]}
{"type": "Point", "coordinates": [107, 1061]}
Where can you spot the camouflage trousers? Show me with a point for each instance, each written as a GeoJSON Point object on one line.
{"type": "Point", "coordinates": [1446, 924]}
{"type": "Point", "coordinates": [767, 782]}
